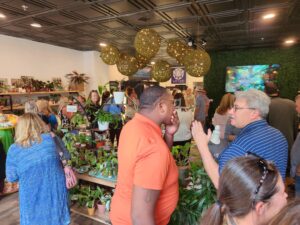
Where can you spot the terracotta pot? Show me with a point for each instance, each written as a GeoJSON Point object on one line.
{"type": "Point", "coordinates": [100, 144]}
{"type": "Point", "coordinates": [90, 211]}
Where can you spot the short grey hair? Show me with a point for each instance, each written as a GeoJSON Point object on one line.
{"type": "Point", "coordinates": [256, 99]}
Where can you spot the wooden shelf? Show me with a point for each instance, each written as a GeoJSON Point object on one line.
{"type": "Point", "coordinates": [83, 212]}
{"type": "Point", "coordinates": [96, 180]}
{"type": "Point", "coordinates": [21, 107]}
{"type": "Point", "coordinates": [38, 93]}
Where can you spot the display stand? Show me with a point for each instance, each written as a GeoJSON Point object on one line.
{"type": "Point", "coordinates": [82, 211]}
{"type": "Point", "coordinates": [104, 218]}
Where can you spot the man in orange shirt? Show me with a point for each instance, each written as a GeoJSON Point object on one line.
{"type": "Point", "coordinates": [147, 186]}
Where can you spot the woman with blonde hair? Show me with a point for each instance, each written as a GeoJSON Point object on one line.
{"type": "Point", "coordinates": [221, 115]}
{"type": "Point", "coordinates": [251, 192]}
{"type": "Point", "coordinates": [45, 110]}
{"type": "Point", "coordinates": [33, 161]}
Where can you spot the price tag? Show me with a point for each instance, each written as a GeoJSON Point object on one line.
{"type": "Point", "coordinates": [71, 108]}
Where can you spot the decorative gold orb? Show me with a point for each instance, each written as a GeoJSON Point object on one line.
{"type": "Point", "coordinates": [147, 43]}
{"type": "Point", "coordinates": [110, 54]}
{"type": "Point", "coordinates": [142, 60]}
{"type": "Point", "coordinates": [161, 71]}
{"type": "Point", "coordinates": [197, 62]}
{"type": "Point", "coordinates": [176, 49]}
{"type": "Point", "coordinates": [127, 65]}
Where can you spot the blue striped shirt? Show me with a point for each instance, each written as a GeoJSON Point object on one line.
{"type": "Point", "coordinates": [261, 139]}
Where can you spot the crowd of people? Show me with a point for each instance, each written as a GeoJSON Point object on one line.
{"type": "Point", "coordinates": [249, 174]}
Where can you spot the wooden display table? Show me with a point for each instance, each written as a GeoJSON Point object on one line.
{"type": "Point", "coordinates": [104, 218]}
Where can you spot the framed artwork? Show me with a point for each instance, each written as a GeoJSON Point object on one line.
{"type": "Point", "coordinates": [178, 76]}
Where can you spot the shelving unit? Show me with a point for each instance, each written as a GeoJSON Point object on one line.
{"type": "Point", "coordinates": [95, 180]}
{"type": "Point", "coordinates": [100, 218]}
{"type": "Point", "coordinates": [11, 95]}
{"type": "Point", "coordinates": [82, 211]}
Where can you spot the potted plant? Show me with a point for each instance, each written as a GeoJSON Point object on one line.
{"type": "Point", "coordinates": [104, 118]}
{"type": "Point", "coordinates": [181, 156]}
{"type": "Point", "coordinates": [119, 95]}
{"type": "Point", "coordinates": [195, 198]}
{"type": "Point", "coordinates": [77, 80]}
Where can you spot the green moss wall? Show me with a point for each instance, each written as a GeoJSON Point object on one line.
{"type": "Point", "coordinates": [288, 78]}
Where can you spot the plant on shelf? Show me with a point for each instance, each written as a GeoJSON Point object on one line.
{"type": "Point", "coordinates": [77, 80]}
{"type": "Point", "coordinates": [181, 154]}
{"type": "Point", "coordinates": [195, 198]}
{"type": "Point", "coordinates": [78, 120]}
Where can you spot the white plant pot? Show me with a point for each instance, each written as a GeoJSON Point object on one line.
{"type": "Point", "coordinates": [103, 125]}
{"type": "Point", "coordinates": [119, 97]}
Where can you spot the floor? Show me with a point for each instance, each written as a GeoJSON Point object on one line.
{"type": "Point", "coordinates": [9, 213]}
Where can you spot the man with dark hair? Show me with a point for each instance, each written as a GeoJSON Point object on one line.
{"type": "Point", "coordinates": [282, 114]}
{"type": "Point", "coordinates": [147, 185]}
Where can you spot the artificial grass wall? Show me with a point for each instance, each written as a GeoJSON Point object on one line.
{"type": "Point", "coordinates": [288, 78]}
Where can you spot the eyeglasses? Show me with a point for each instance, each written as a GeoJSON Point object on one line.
{"type": "Point", "coordinates": [236, 108]}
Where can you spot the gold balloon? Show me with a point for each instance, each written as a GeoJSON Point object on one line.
{"type": "Point", "coordinates": [176, 49]}
{"type": "Point", "coordinates": [110, 54]}
{"type": "Point", "coordinates": [127, 65]}
{"type": "Point", "coordinates": [142, 60]}
{"type": "Point", "coordinates": [161, 71]}
{"type": "Point", "coordinates": [147, 42]}
{"type": "Point", "coordinates": [197, 62]}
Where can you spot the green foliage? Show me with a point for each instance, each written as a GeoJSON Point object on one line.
{"type": "Point", "coordinates": [288, 78]}
{"type": "Point", "coordinates": [77, 78]}
{"type": "Point", "coordinates": [102, 89]}
{"type": "Point", "coordinates": [180, 154]}
{"type": "Point", "coordinates": [194, 199]}
{"type": "Point", "coordinates": [103, 116]}
{"type": "Point", "coordinates": [78, 119]}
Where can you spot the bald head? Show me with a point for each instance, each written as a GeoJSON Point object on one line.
{"type": "Point", "coordinates": [150, 96]}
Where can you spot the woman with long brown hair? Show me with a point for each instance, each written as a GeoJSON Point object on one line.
{"type": "Point", "coordinates": [251, 192]}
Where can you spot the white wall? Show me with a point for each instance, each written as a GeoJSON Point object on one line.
{"type": "Point", "coordinates": [42, 61]}
{"type": "Point", "coordinates": [20, 57]}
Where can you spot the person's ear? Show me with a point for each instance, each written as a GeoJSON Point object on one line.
{"type": "Point", "coordinates": [255, 114]}
{"type": "Point", "coordinates": [260, 208]}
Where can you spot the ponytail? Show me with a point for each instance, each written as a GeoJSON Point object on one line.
{"type": "Point", "coordinates": [214, 215]}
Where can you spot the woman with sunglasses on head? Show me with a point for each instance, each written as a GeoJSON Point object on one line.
{"type": "Point", "coordinates": [251, 192]}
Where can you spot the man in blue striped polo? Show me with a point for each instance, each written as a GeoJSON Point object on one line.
{"type": "Point", "coordinates": [257, 137]}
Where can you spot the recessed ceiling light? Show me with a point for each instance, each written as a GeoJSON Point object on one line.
{"type": "Point", "coordinates": [2, 16]}
{"type": "Point", "coordinates": [269, 16]}
{"type": "Point", "coordinates": [102, 44]}
{"type": "Point", "coordinates": [262, 38]}
{"type": "Point", "coordinates": [36, 25]}
{"type": "Point", "coordinates": [152, 63]}
{"type": "Point", "coordinates": [290, 41]}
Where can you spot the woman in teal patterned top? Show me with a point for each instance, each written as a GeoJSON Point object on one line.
{"type": "Point", "coordinates": [34, 162]}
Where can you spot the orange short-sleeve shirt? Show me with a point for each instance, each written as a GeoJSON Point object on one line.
{"type": "Point", "coordinates": [145, 161]}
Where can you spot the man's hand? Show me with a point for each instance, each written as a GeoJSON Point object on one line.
{"type": "Point", "coordinates": [199, 135]}
{"type": "Point", "coordinates": [173, 127]}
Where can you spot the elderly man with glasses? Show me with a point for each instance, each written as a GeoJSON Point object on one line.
{"type": "Point", "coordinates": [249, 112]}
